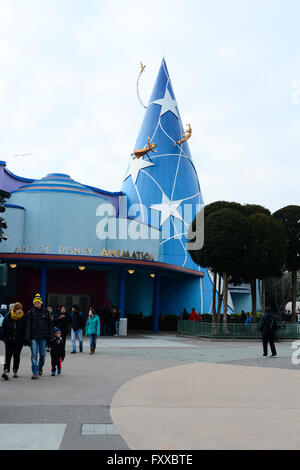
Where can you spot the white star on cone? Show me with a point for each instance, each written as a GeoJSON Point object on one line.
{"type": "Point", "coordinates": [167, 103]}
{"type": "Point", "coordinates": [167, 208]}
{"type": "Point", "coordinates": [137, 164]}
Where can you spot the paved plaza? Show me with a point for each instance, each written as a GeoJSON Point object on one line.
{"type": "Point", "coordinates": [161, 391]}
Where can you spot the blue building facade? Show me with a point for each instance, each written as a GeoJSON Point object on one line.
{"type": "Point", "coordinates": [127, 248]}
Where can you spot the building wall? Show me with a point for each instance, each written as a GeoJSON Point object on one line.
{"type": "Point", "coordinates": [63, 223]}
{"type": "Point", "coordinates": [139, 293]}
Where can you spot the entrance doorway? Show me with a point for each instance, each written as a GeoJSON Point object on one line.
{"type": "Point", "coordinates": [68, 300]}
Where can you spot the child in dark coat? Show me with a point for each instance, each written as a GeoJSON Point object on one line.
{"type": "Point", "coordinates": [57, 351]}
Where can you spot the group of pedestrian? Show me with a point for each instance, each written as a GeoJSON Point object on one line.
{"type": "Point", "coordinates": [110, 318]}
{"type": "Point", "coordinates": [193, 316]}
{"type": "Point", "coordinates": [34, 329]}
{"type": "Point", "coordinates": [44, 329]}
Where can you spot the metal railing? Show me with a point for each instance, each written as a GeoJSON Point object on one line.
{"type": "Point", "coordinates": [234, 330]}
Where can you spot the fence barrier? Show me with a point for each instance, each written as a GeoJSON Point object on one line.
{"type": "Point", "coordinates": [234, 330]}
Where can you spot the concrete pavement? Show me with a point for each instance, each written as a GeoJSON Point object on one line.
{"type": "Point", "coordinates": [159, 392]}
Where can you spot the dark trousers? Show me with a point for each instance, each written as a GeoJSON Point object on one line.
{"type": "Point", "coordinates": [268, 338]}
{"type": "Point", "coordinates": [56, 362]}
{"type": "Point", "coordinates": [106, 329]}
{"type": "Point", "coordinates": [12, 350]}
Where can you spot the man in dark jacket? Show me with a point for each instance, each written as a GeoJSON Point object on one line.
{"type": "Point", "coordinates": [38, 333]}
{"type": "Point", "coordinates": [268, 327]}
{"type": "Point", "coordinates": [77, 324]}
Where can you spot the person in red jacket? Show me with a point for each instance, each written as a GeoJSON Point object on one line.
{"type": "Point", "coordinates": [194, 315]}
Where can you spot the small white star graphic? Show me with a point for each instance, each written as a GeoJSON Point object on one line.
{"type": "Point", "coordinates": [167, 103]}
{"type": "Point", "coordinates": [137, 164]}
{"type": "Point", "coordinates": [167, 208]}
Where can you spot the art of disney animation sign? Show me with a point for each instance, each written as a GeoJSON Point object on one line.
{"type": "Point", "coordinates": [84, 251]}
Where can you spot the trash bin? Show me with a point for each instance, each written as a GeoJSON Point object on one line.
{"type": "Point", "coordinates": [123, 327]}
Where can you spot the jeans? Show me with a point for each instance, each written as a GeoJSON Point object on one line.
{"type": "Point", "coordinates": [117, 327]}
{"type": "Point", "coordinates": [76, 334]}
{"type": "Point", "coordinates": [93, 340]}
{"type": "Point", "coordinates": [38, 346]}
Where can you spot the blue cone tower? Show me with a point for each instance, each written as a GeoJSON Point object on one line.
{"type": "Point", "coordinates": [165, 186]}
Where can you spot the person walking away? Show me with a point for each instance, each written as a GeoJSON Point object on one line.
{"type": "Point", "coordinates": [57, 351]}
{"type": "Point", "coordinates": [194, 315]}
{"type": "Point", "coordinates": [61, 322]}
{"type": "Point", "coordinates": [107, 319]}
{"type": "Point", "coordinates": [117, 320]}
{"type": "Point", "coordinates": [92, 329]}
{"type": "Point", "coordinates": [268, 327]}
{"type": "Point", "coordinates": [38, 333]}
{"type": "Point", "coordinates": [14, 327]}
{"type": "Point", "coordinates": [76, 328]}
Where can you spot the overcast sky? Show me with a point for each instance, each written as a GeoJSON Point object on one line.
{"type": "Point", "coordinates": [68, 71]}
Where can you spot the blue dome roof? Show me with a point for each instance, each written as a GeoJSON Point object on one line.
{"type": "Point", "coordinates": [60, 182]}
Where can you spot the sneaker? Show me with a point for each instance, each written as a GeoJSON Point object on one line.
{"type": "Point", "coordinates": [58, 371]}
{"type": "Point", "coordinates": [73, 352]}
{"type": "Point", "coordinates": [53, 373]}
{"type": "Point", "coordinates": [40, 371]}
{"type": "Point", "coordinates": [5, 376]}
{"type": "Point", "coordinates": [34, 377]}
{"type": "Point", "coordinates": [273, 355]}
{"type": "Point", "coordinates": [15, 375]}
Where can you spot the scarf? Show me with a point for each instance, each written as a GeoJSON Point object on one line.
{"type": "Point", "coordinates": [15, 316]}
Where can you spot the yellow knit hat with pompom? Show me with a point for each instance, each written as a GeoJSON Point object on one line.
{"type": "Point", "coordinates": [37, 298]}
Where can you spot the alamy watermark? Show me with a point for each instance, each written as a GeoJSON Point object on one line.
{"type": "Point", "coordinates": [163, 222]}
{"type": "Point", "coordinates": [296, 353]}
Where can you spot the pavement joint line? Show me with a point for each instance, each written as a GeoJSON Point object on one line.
{"type": "Point", "coordinates": [208, 407]}
{"type": "Point", "coordinates": [92, 429]}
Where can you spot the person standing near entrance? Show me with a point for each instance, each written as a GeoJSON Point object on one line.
{"type": "Point", "coordinates": [107, 320]}
{"type": "Point", "coordinates": [38, 333]}
{"type": "Point", "coordinates": [14, 327]}
{"type": "Point", "coordinates": [117, 314]}
{"type": "Point", "coordinates": [61, 322]}
{"type": "Point", "coordinates": [92, 329]}
{"type": "Point", "coordinates": [76, 328]}
{"type": "Point", "coordinates": [268, 327]}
